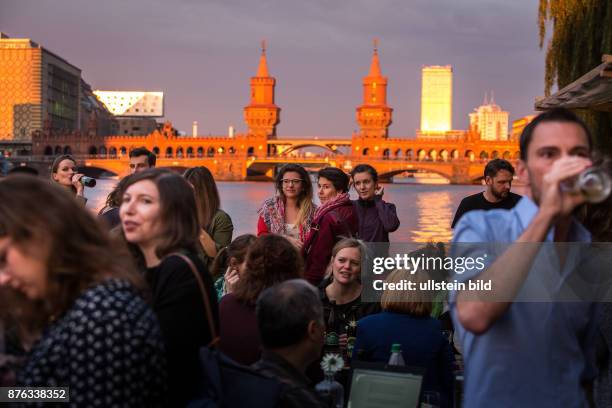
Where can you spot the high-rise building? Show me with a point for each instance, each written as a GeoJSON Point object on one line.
{"type": "Point", "coordinates": [38, 90]}
{"type": "Point", "coordinates": [436, 99]}
{"type": "Point", "coordinates": [490, 121]}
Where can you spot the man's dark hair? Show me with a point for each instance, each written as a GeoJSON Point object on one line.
{"type": "Point", "coordinates": [143, 151]}
{"type": "Point", "coordinates": [494, 166]}
{"type": "Point", "coordinates": [365, 168]}
{"type": "Point", "coordinates": [338, 178]}
{"type": "Point", "coordinates": [553, 115]}
{"type": "Point", "coordinates": [284, 312]}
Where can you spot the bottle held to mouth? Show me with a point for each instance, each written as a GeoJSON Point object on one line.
{"type": "Point", "coordinates": [593, 183]}
{"type": "Point", "coordinates": [88, 181]}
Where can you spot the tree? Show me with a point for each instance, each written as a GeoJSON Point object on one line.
{"type": "Point", "coordinates": [581, 34]}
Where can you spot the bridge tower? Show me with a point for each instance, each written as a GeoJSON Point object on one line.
{"type": "Point", "coordinates": [262, 115]}
{"type": "Point", "coordinates": [374, 115]}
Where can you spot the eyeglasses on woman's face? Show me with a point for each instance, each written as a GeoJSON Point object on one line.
{"type": "Point", "coordinates": [291, 182]}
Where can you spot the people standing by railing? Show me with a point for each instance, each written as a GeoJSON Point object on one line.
{"type": "Point", "coordinates": [77, 300]}
{"type": "Point", "coordinates": [216, 226]}
{"type": "Point", "coordinates": [333, 220]}
{"type": "Point", "coordinates": [291, 210]}
{"type": "Point", "coordinates": [64, 172]}
{"type": "Point", "coordinates": [377, 218]}
{"type": "Point", "coordinates": [158, 211]}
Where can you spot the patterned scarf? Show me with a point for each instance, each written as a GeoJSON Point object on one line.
{"type": "Point", "coordinates": [273, 213]}
{"type": "Point", "coordinates": [339, 199]}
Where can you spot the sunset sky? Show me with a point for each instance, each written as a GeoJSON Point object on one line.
{"type": "Point", "coordinates": [202, 53]}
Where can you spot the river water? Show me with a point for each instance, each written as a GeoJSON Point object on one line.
{"type": "Point", "coordinates": [425, 211]}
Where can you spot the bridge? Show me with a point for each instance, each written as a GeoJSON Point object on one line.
{"type": "Point", "coordinates": [242, 157]}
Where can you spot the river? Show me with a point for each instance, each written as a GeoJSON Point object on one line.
{"type": "Point", "coordinates": [425, 210]}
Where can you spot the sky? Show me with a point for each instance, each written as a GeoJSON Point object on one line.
{"type": "Point", "coordinates": [202, 53]}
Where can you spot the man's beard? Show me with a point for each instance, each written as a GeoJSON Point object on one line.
{"type": "Point", "coordinates": [500, 195]}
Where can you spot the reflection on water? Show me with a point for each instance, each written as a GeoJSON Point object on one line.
{"type": "Point", "coordinates": [425, 211]}
{"type": "Point", "coordinates": [435, 212]}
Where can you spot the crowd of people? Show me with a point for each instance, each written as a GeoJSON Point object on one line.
{"type": "Point", "coordinates": [118, 306]}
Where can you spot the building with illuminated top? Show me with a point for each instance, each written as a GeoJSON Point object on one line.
{"type": "Point", "coordinates": [490, 121]}
{"type": "Point", "coordinates": [135, 111]}
{"type": "Point", "coordinates": [436, 101]}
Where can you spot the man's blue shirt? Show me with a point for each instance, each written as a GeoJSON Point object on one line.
{"type": "Point", "coordinates": [538, 353]}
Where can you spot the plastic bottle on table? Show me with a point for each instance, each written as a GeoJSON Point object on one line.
{"type": "Point", "coordinates": [396, 358]}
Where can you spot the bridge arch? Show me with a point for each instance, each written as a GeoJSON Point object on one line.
{"type": "Point", "coordinates": [516, 155]}
{"type": "Point", "coordinates": [484, 155]}
{"type": "Point", "coordinates": [200, 152]}
{"type": "Point", "coordinates": [93, 151]}
{"type": "Point", "coordinates": [398, 153]}
{"type": "Point", "coordinates": [221, 150]}
{"type": "Point", "coordinates": [494, 154]}
{"type": "Point", "coordinates": [302, 146]}
{"type": "Point", "coordinates": [210, 152]}
{"type": "Point", "coordinates": [58, 150]}
{"type": "Point", "coordinates": [421, 155]}
{"type": "Point", "coordinates": [190, 152]}
{"type": "Point", "coordinates": [506, 155]}
{"type": "Point", "coordinates": [123, 150]}
{"type": "Point", "coordinates": [180, 152]}
{"type": "Point", "coordinates": [470, 155]}
{"type": "Point", "coordinates": [48, 151]}
{"type": "Point", "coordinates": [444, 155]}
{"type": "Point", "coordinates": [410, 154]}
{"type": "Point", "coordinates": [102, 151]}
{"type": "Point", "coordinates": [454, 154]}
{"type": "Point", "coordinates": [386, 154]}
{"type": "Point", "coordinates": [112, 152]}
{"type": "Point", "coordinates": [156, 150]}
{"type": "Point", "coordinates": [251, 151]}
{"type": "Point", "coordinates": [169, 152]}
{"type": "Point", "coordinates": [391, 173]}
{"type": "Point", "coordinates": [231, 150]}
{"type": "Point", "coordinates": [366, 151]}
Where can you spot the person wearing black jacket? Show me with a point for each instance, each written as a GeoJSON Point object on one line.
{"type": "Point", "coordinates": [157, 212]}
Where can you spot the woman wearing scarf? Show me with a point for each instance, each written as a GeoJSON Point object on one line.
{"type": "Point", "coordinates": [290, 212]}
{"type": "Point", "coordinates": [334, 219]}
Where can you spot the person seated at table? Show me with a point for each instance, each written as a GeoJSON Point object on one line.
{"type": "Point", "coordinates": [406, 320]}
{"type": "Point", "coordinates": [290, 321]}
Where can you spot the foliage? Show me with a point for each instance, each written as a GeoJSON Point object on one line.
{"type": "Point", "coordinates": [581, 34]}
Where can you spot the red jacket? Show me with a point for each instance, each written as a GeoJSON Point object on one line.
{"type": "Point", "coordinates": [337, 222]}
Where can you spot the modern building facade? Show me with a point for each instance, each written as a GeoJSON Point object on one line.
{"type": "Point", "coordinates": [490, 121]}
{"type": "Point", "coordinates": [518, 126]}
{"type": "Point", "coordinates": [436, 99]}
{"type": "Point", "coordinates": [38, 90]}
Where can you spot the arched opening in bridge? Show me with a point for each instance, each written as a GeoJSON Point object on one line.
{"type": "Point", "coordinates": [179, 152]}
{"type": "Point", "coordinates": [190, 152]}
{"type": "Point", "coordinates": [48, 151]}
{"type": "Point", "coordinates": [506, 155]}
{"type": "Point", "coordinates": [421, 155]}
{"type": "Point", "coordinates": [58, 150]}
{"type": "Point", "coordinates": [484, 155]}
{"type": "Point", "coordinates": [444, 155]}
{"type": "Point", "coordinates": [516, 155]}
{"type": "Point", "coordinates": [494, 154]}
{"type": "Point", "coordinates": [93, 151]}
{"type": "Point", "coordinates": [102, 151]}
{"type": "Point", "coordinates": [470, 155]}
{"type": "Point", "coordinates": [67, 150]}
{"type": "Point", "coordinates": [398, 153]}
{"type": "Point", "coordinates": [386, 154]}
{"type": "Point", "coordinates": [156, 150]}
{"type": "Point", "coordinates": [231, 150]}
{"type": "Point", "coordinates": [366, 151]}
{"type": "Point", "coordinates": [200, 152]}
{"type": "Point", "coordinates": [221, 150]}
{"type": "Point", "coordinates": [123, 150]}
{"type": "Point", "coordinates": [410, 154]}
{"type": "Point", "coordinates": [169, 152]}
{"type": "Point", "coordinates": [455, 154]}
{"type": "Point", "coordinates": [433, 155]}
{"type": "Point", "coordinates": [210, 152]}
{"type": "Point", "coordinates": [112, 152]}
{"type": "Point", "coordinates": [251, 151]}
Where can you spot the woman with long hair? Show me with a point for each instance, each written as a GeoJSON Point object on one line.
{"type": "Point", "coordinates": [215, 224]}
{"type": "Point", "coordinates": [333, 220]}
{"type": "Point", "coordinates": [290, 211]}
{"type": "Point", "coordinates": [76, 300]}
{"type": "Point", "coordinates": [271, 259]}
{"type": "Point", "coordinates": [157, 211]}
{"type": "Point", "coordinates": [109, 214]}
{"type": "Point", "coordinates": [64, 172]}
